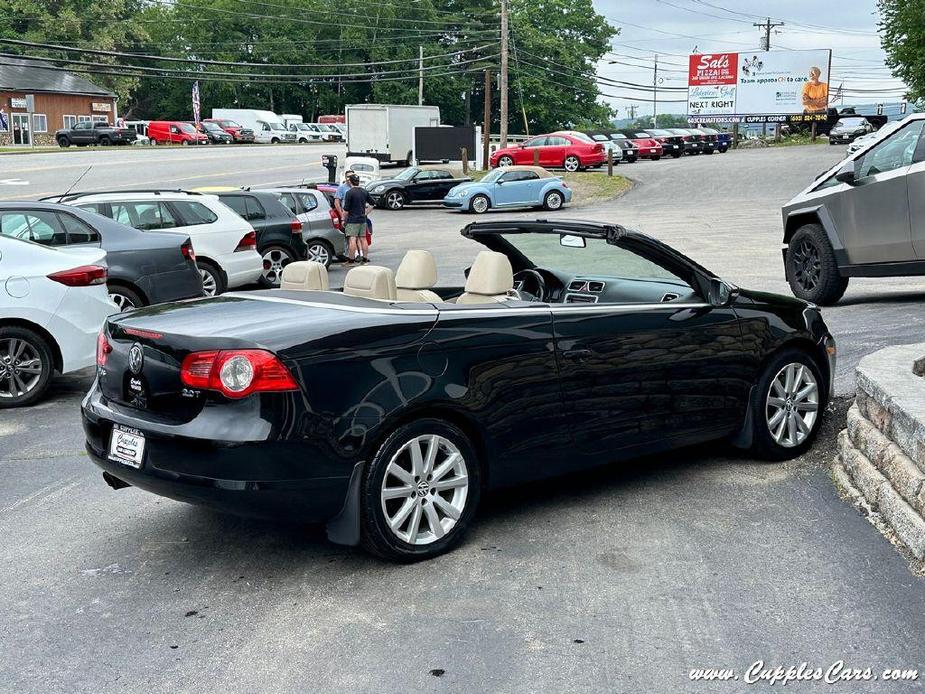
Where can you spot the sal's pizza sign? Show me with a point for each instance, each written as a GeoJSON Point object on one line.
{"type": "Point", "coordinates": [713, 69]}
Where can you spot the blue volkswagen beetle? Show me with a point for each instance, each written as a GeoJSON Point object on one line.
{"type": "Point", "coordinates": [511, 186]}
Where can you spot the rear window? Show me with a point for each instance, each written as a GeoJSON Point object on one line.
{"type": "Point", "coordinates": [245, 205]}
{"type": "Point", "coordinates": [194, 213]}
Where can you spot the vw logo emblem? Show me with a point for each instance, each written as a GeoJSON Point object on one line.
{"type": "Point", "coordinates": [136, 358]}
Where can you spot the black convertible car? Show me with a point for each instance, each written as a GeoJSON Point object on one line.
{"type": "Point", "coordinates": [387, 409]}
{"type": "Point", "coordinates": [413, 185]}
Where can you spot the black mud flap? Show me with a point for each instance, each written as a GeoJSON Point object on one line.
{"type": "Point", "coordinates": [744, 437]}
{"type": "Point", "coordinates": [344, 528]}
{"type": "Point", "coordinates": [114, 481]}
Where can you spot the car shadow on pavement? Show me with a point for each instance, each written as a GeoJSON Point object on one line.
{"type": "Point", "coordinates": [897, 298]}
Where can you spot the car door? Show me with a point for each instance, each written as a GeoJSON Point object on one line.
{"type": "Point", "coordinates": [915, 179]}
{"type": "Point", "coordinates": [426, 186]}
{"type": "Point", "coordinates": [873, 214]}
{"type": "Point", "coordinates": [524, 154]}
{"type": "Point", "coordinates": [315, 211]}
{"type": "Point", "coordinates": [513, 188]}
{"type": "Point", "coordinates": [82, 133]}
{"type": "Point", "coordinates": [640, 371]}
{"type": "Point", "coordinates": [555, 151]}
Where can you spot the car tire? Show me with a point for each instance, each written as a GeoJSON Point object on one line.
{"type": "Point", "coordinates": [675, 155]}
{"type": "Point", "coordinates": [656, 157]}
{"type": "Point", "coordinates": [152, 141]}
{"type": "Point", "coordinates": [64, 142]}
{"type": "Point", "coordinates": [278, 257]}
{"type": "Point", "coordinates": [274, 141]}
{"type": "Point", "coordinates": [396, 503]}
{"type": "Point", "coordinates": [105, 141]}
{"type": "Point", "coordinates": [811, 268]}
{"type": "Point", "coordinates": [29, 348]}
{"type": "Point", "coordinates": [571, 163]}
{"type": "Point", "coordinates": [785, 421]}
{"type": "Point", "coordinates": [184, 143]}
{"type": "Point", "coordinates": [631, 160]}
{"type": "Point", "coordinates": [123, 297]}
{"type": "Point", "coordinates": [708, 151]}
{"type": "Point", "coordinates": [320, 251]}
{"type": "Point", "coordinates": [213, 281]}
{"type": "Point", "coordinates": [553, 200]}
{"type": "Point", "coordinates": [506, 161]}
{"type": "Point", "coordinates": [394, 200]}
{"type": "Point", "coordinates": [479, 204]}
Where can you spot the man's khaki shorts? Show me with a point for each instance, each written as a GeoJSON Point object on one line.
{"type": "Point", "coordinates": [355, 229]}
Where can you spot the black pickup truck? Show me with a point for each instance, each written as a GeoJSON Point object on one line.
{"type": "Point", "coordinates": [90, 133]}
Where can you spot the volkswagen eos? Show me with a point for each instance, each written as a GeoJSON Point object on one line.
{"type": "Point", "coordinates": [387, 409]}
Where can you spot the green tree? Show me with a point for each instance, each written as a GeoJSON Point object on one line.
{"type": "Point", "coordinates": [665, 120]}
{"type": "Point", "coordinates": [902, 35]}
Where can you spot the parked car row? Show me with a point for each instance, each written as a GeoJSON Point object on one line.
{"type": "Point", "coordinates": [574, 151]}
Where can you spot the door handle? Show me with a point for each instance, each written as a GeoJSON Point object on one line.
{"type": "Point", "coordinates": [577, 354]}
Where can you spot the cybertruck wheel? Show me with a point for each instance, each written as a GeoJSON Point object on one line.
{"type": "Point", "coordinates": [419, 492]}
{"type": "Point", "coordinates": [787, 406]}
{"type": "Point", "coordinates": [811, 267]}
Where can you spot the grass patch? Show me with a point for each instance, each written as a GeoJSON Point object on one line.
{"type": "Point", "coordinates": [797, 140]}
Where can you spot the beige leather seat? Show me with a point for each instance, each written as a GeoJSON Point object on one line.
{"type": "Point", "coordinates": [371, 282]}
{"type": "Point", "coordinates": [305, 275]}
{"type": "Point", "coordinates": [416, 275]}
{"type": "Point", "coordinates": [491, 280]}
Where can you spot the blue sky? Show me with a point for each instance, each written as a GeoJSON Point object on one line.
{"type": "Point", "coordinates": [673, 28]}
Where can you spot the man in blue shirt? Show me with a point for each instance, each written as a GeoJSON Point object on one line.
{"type": "Point", "coordinates": [341, 192]}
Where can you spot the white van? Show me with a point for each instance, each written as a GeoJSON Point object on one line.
{"type": "Point", "coordinates": [267, 126]}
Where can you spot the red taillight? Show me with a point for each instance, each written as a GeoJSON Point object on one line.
{"type": "Point", "coordinates": [236, 373]}
{"type": "Point", "coordinates": [335, 219]}
{"type": "Point", "coordinates": [187, 250]}
{"type": "Point", "coordinates": [103, 348]}
{"type": "Point", "coordinates": [598, 147]}
{"type": "Point", "coordinates": [248, 243]}
{"type": "Point", "coordinates": [83, 276]}
{"type": "Point", "coordinates": [295, 226]}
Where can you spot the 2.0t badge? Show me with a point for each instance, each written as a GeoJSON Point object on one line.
{"type": "Point", "coordinates": [136, 359]}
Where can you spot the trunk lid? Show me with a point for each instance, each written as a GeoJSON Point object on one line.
{"type": "Point", "coordinates": [294, 325]}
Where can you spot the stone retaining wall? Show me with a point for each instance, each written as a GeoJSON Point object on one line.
{"type": "Point", "coordinates": [880, 464]}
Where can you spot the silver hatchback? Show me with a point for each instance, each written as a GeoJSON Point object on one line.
{"type": "Point", "coordinates": [864, 217]}
{"type": "Point", "coordinates": [325, 242]}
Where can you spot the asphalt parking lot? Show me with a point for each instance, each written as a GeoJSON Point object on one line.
{"type": "Point", "coordinates": [621, 581]}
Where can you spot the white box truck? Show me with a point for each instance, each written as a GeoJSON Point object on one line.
{"type": "Point", "coordinates": [385, 131]}
{"type": "Point", "coordinates": [267, 126]}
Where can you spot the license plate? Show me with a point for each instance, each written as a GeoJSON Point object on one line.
{"type": "Point", "coordinates": [127, 446]}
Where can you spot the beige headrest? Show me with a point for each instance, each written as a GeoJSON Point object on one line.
{"type": "Point", "coordinates": [418, 270]}
{"type": "Point", "coordinates": [491, 274]}
{"type": "Point", "coordinates": [371, 282]}
{"type": "Point", "coordinates": [305, 275]}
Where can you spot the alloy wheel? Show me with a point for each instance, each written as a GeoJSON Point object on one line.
{"type": "Point", "coordinates": [792, 405]}
{"type": "Point", "coordinates": [21, 367]}
{"type": "Point", "coordinates": [505, 161]}
{"type": "Point", "coordinates": [572, 164]}
{"type": "Point", "coordinates": [395, 200]}
{"type": "Point", "coordinates": [209, 285]}
{"type": "Point", "coordinates": [554, 201]}
{"type": "Point", "coordinates": [274, 260]}
{"type": "Point", "coordinates": [424, 489]}
{"type": "Point", "coordinates": [122, 301]}
{"type": "Point", "coordinates": [807, 265]}
{"type": "Point", "coordinates": [480, 204]}
{"type": "Point", "coordinates": [318, 253]}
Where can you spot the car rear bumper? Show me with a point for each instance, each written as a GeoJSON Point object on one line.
{"type": "Point", "coordinates": [265, 479]}
{"type": "Point", "coordinates": [172, 286]}
{"type": "Point", "coordinates": [242, 268]}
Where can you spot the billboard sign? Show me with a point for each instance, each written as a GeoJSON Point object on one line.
{"type": "Point", "coordinates": [757, 87]}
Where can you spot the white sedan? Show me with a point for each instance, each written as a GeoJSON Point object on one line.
{"type": "Point", "coordinates": [52, 306]}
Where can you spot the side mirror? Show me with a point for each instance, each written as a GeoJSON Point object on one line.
{"type": "Point", "coordinates": [846, 176]}
{"type": "Point", "coordinates": [499, 181]}
{"type": "Point", "coordinates": [720, 293]}
{"type": "Point", "coordinates": [572, 241]}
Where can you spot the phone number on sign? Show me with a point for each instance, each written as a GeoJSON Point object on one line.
{"type": "Point", "coordinates": [838, 672]}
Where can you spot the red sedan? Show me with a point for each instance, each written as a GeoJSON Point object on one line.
{"type": "Point", "coordinates": [570, 150]}
{"type": "Point", "coordinates": [649, 147]}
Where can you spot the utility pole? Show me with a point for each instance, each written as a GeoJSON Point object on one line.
{"type": "Point", "coordinates": [504, 37]}
{"type": "Point", "coordinates": [655, 93]}
{"type": "Point", "coordinates": [767, 27]}
{"type": "Point", "coordinates": [486, 120]}
{"type": "Point", "coordinates": [420, 75]}
{"type": "Point", "coordinates": [632, 111]}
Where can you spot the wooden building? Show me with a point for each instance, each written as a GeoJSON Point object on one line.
{"type": "Point", "coordinates": [61, 99]}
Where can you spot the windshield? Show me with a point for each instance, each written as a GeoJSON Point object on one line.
{"type": "Point", "coordinates": [660, 133]}
{"type": "Point", "coordinates": [187, 128]}
{"type": "Point", "coordinates": [617, 136]}
{"type": "Point", "coordinates": [212, 126]}
{"type": "Point", "coordinates": [850, 122]}
{"type": "Point", "coordinates": [277, 126]}
{"type": "Point", "coordinates": [229, 123]}
{"type": "Point", "coordinates": [369, 168]}
{"type": "Point", "coordinates": [324, 128]}
{"type": "Point", "coordinates": [302, 126]}
{"type": "Point", "coordinates": [493, 176]}
{"type": "Point", "coordinates": [599, 138]}
{"type": "Point", "coordinates": [407, 174]}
